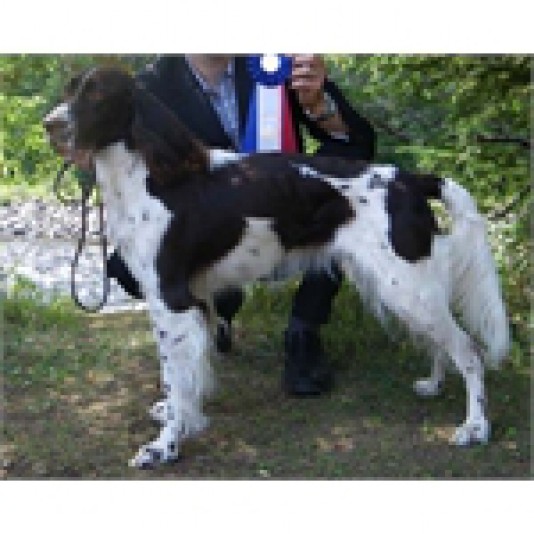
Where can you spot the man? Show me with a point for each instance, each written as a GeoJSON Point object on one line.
{"type": "Point", "coordinates": [210, 94]}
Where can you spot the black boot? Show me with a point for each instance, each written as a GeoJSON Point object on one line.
{"type": "Point", "coordinates": [306, 371]}
{"type": "Point", "coordinates": [227, 304]}
{"type": "Point", "coordinates": [223, 338]}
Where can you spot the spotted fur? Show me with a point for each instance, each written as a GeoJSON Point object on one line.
{"type": "Point", "coordinates": [189, 222]}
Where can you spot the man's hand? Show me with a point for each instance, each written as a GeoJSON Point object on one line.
{"type": "Point", "coordinates": [307, 79]}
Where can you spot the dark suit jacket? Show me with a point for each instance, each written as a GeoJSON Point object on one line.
{"type": "Point", "coordinates": [170, 79]}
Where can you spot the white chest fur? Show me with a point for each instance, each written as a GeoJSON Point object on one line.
{"type": "Point", "coordinates": [135, 220]}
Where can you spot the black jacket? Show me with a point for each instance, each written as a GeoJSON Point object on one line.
{"type": "Point", "coordinates": [170, 79]}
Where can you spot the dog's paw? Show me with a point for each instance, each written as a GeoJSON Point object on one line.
{"type": "Point", "coordinates": [471, 432]}
{"type": "Point", "coordinates": [426, 387]}
{"type": "Point", "coordinates": [153, 454]}
{"type": "Point", "coordinates": [157, 411]}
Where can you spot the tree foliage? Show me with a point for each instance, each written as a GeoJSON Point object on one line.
{"type": "Point", "coordinates": [29, 86]}
{"type": "Point", "coordinates": [435, 111]}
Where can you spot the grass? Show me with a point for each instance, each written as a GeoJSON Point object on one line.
{"type": "Point", "coordinates": [76, 389]}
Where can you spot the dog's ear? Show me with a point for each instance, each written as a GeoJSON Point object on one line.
{"type": "Point", "coordinates": [173, 155]}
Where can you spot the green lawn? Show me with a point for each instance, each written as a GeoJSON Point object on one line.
{"type": "Point", "coordinates": [77, 388]}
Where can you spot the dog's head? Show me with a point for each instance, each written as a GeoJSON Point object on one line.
{"type": "Point", "coordinates": [102, 106]}
{"type": "Point", "coordinates": [97, 110]}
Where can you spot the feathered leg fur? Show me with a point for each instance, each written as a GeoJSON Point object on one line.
{"type": "Point", "coordinates": [183, 343]}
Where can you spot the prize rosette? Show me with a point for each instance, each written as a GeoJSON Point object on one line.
{"type": "Point", "coordinates": [269, 69]}
{"type": "Point", "coordinates": [269, 125]}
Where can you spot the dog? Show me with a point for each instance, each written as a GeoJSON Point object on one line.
{"type": "Point", "coordinates": [190, 221]}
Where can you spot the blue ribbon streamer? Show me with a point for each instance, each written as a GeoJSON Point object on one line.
{"type": "Point", "coordinates": [270, 79]}
{"type": "Point", "coordinates": [249, 140]}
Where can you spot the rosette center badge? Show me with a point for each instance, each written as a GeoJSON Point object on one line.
{"type": "Point", "coordinates": [269, 69]}
{"type": "Point", "coordinates": [270, 62]}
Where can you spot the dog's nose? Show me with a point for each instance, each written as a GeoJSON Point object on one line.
{"type": "Point", "coordinates": [49, 125]}
{"type": "Point", "coordinates": [57, 118]}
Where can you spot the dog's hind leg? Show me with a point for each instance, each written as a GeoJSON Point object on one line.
{"type": "Point", "coordinates": [409, 292]}
{"type": "Point", "coordinates": [183, 343]}
{"type": "Point", "coordinates": [466, 356]}
{"type": "Point", "coordinates": [429, 317]}
{"type": "Point", "coordinates": [432, 320]}
{"type": "Point", "coordinates": [432, 386]}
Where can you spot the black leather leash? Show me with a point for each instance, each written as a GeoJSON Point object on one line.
{"type": "Point", "coordinates": [87, 184]}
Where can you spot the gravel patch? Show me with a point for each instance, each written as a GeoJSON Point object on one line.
{"type": "Point", "coordinates": [38, 240]}
{"type": "Point", "coordinates": [39, 219]}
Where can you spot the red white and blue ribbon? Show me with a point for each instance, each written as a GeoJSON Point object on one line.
{"type": "Point", "coordinates": [269, 125]}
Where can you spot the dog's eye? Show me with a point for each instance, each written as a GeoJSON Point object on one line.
{"type": "Point", "coordinates": [91, 90]}
{"type": "Point", "coordinates": [89, 86]}
{"type": "Point", "coordinates": [72, 86]}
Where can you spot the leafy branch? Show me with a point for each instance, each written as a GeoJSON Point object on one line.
{"type": "Point", "coordinates": [521, 141]}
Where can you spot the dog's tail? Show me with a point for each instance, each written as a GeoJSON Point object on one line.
{"type": "Point", "coordinates": [475, 292]}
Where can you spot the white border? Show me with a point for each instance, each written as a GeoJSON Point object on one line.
{"type": "Point", "coordinates": [256, 507]}
{"type": "Point", "coordinates": [336, 26]}
{"type": "Point", "coordinates": [339, 26]}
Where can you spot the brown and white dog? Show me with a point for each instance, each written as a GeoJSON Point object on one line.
{"type": "Point", "coordinates": [190, 221]}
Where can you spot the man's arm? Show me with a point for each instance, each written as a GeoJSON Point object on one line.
{"type": "Point", "coordinates": [323, 109]}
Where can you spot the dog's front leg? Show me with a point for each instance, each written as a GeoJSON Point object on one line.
{"type": "Point", "coordinates": [183, 343]}
{"type": "Point", "coordinates": [158, 410]}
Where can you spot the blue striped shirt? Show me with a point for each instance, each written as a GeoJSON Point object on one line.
{"type": "Point", "coordinates": [223, 98]}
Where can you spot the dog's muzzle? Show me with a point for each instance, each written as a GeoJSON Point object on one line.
{"type": "Point", "coordinates": [59, 128]}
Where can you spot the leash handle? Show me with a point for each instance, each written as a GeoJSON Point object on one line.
{"type": "Point", "coordinates": [86, 184]}
{"type": "Point", "coordinates": [79, 249]}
